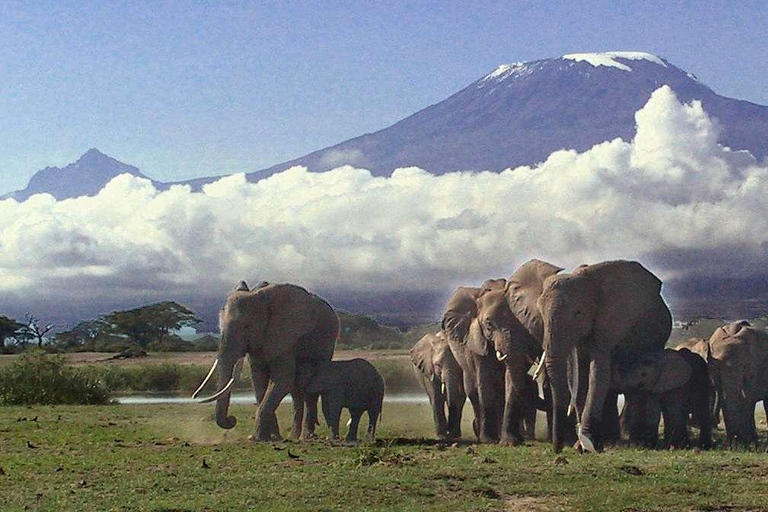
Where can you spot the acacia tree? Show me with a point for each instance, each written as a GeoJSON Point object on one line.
{"type": "Point", "coordinates": [8, 328]}
{"type": "Point", "coordinates": [36, 329]}
{"type": "Point", "coordinates": [151, 323]}
{"type": "Point", "coordinates": [86, 332]}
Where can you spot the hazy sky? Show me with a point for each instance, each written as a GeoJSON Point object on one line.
{"type": "Point", "coordinates": [184, 89]}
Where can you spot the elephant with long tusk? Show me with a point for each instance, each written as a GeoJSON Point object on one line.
{"type": "Point", "coordinates": [281, 328]}
{"type": "Point", "coordinates": [604, 314]}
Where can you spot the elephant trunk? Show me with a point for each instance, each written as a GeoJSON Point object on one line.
{"type": "Point", "coordinates": [228, 373]}
{"type": "Point", "coordinates": [556, 364]}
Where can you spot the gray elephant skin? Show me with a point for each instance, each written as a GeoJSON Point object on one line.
{"type": "Point", "coordinates": [678, 381]}
{"type": "Point", "coordinates": [280, 327]}
{"type": "Point", "coordinates": [599, 315]}
{"type": "Point", "coordinates": [355, 385]}
{"type": "Point", "coordinates": [508, 326]}
{"type": "Point", "coordinates": [738, 363]}
{"type": "Point", "coordinates": [443, 380]}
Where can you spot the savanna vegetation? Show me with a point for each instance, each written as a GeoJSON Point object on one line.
{"type": "Point", "coordinates": [174, 457]}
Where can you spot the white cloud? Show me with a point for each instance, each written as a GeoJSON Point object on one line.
{"type": "Point", "coordinates": [671, 191]}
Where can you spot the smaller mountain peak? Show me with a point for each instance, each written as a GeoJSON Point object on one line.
{"type": "Point", "coordinates": [608, 59]}
{"type": "Point", "coordinates": [92, 155]}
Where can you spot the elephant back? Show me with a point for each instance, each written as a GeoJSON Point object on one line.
{"type": "Point", "coordinates": [523, 290]}
{"type": "Point", "coordinates": [630, 302]}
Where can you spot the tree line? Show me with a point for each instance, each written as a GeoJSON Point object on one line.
{"type": "Point", "coordinates": [153, 326]}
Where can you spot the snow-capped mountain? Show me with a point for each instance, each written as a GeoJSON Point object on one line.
{"type": "Point", "coordinates": [85, 177]}
{"type": "Point", "coordinates": [516, 115]}
{"type": "Point", "coordinates": [520, 113]}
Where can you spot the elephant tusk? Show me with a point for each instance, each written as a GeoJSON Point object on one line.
{"type": "Point", "coordinates": [574, 383]}
{"type": "Point", "coordinates": [442, 388]}
{"type": "Point", "coordinates": [225, 389]}
{"type": "Point", "coordinates": [349, 422]}
{"type": "Point", "coordinates": [540, 367]}
{"type": "Point", "coordinates": [501, 356]}
{"type": "Point", "coordinates": [586, 442]}
{"type": "Point", "coordinates": [207, 378]}
{"type": "Point", "coordinates": [218, 393]}
{"type": "Point", "coordinates": [743, 393]}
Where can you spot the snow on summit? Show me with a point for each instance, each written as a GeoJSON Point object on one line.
{"type": "Point", "coordinates": [608, 59]}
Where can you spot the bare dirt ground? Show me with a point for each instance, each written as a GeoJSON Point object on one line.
{"type": "Point", "coordinates": [199, 358]}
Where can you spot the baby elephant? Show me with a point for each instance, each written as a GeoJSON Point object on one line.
{"type": "Point", "coordinates": [674, 383]}
{"type": "Point", "coordinates": [354, 384]}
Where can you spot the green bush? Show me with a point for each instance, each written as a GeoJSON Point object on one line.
{"type": "Point", "coordinates": [39, 378]}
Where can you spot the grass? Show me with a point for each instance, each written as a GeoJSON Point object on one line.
{"type": "Point", "coordinates": [151, 458]}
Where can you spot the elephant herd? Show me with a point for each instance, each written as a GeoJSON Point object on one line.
{"type": "Point", "coordinates": [591, 335]}
{"type": "Point", "coordinates": [588, 336]}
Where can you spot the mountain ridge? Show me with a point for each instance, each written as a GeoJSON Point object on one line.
{"type": "Point", "coordinates": [516, 115]}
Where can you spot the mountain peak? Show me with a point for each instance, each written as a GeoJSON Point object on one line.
{"type": "Point", "coordinates": [86, 176]}
{"type": "Point", "coordinates": [608, 59]}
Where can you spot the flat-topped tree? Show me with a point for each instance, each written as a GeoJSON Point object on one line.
{"type": "Point", "coordinates": [152, 322]}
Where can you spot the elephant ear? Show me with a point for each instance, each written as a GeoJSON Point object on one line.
{"type": "Point", "coordinates": [626, 292]}
{"type": "Point", "coordinates": [459, 313]}
{"type": "Point", "coordinates": [422, 354]}
{"type": "Point", "coordinates": [524, 288]}
{"type": "Point", "coordinates": [291, 313]}
{"type": "Point", "coordinates": [675, 371]}
{"type": "Point", "coordinates": [476, 341]}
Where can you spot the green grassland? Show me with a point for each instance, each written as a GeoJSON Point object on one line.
{"type": "Point", "coordinates": [174, 457]}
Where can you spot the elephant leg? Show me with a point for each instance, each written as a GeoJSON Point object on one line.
{"type": "Point", "coordinates": [611, 427]}
{"type": "Point", "coordinates": [373, 418]}
{"type": "Point", "coordinates": [513, 410]}
{"type": "Point", "coordinates": [260, 380]}
{"type": "Point", "coordinates": [299, 398]}
{"type": "Point", "coordinates": [675, 415]}
{"type": "Point", "coordinates": [356, 414]}
{"type": "Point", "coordinates": [310, 420]}
{"type": "Point", "coordinates": [332, 413]}
{"type": "Point", "coordinates": [591, 417]}
{"type": "Point", "coordinates": [455, 409]}
{"type": "Point", "coordinates": [437, 400]}
{"type": "Point", "coordinates": [474, 400]}
{"type": "Point", "coordinates": [282, 374]}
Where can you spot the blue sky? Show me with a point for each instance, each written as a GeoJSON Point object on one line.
{"type": "Point", "coordinates": [184, 89]}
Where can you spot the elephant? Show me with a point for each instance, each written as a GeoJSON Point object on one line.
{"type": "Point", "coordinates": [443, 380]}
{"type": "Point", "coordinates": [354, 384]}
{"type": "Point", "coordinates": [483, 374]}
{"type": "Point", "coordinates": [508, 325]}
{"type": "Point", "coordinates": [700, 346]}
{"type": "Point", "coordinates": [281, 327]}
{"type": "Point", "coordinates": [738, 362]}
{"type": "Point", "coordinates": [598, 315]}
{"type": "Point", "coordinates": [678, 380]}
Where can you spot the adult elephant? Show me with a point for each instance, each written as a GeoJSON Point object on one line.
{"type": "Point", "coordinates": [611, 312]}
{"type": "Point", "coordinates": [280, 327]}
{"type": "Point", "coordinates": [509, 326]}
{"type": "Point", "coordinates": [738, 363]}
{"type": "Point", "coordinates": [483, 374]}
{"type": "Point", "coordinates": [443, 380]}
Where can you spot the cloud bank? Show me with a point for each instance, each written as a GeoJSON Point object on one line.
{"type": "Point", "coordinates": [672, 198]}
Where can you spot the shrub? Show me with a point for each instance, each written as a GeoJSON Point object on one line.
{"type": "Point", "coordinates": [39, 378]}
